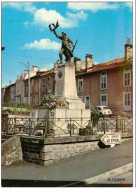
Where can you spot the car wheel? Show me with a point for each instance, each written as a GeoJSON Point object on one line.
{"type": "Point", "coordinates": [100, 115]}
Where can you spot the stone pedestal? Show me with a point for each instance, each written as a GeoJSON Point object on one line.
{"type": "Point", "coordinates": [73, 114]}
{"type": "Point", "coordinates": [65, 86]}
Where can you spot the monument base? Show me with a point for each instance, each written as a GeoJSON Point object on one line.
{"type": "Point", "coordinates": [75, 104]}
{"type": "Point", "coordinates": [67, 121]}
{"type": "Point", "coordinates": [72, 115]}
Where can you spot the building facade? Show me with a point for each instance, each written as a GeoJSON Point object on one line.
{"type": "Point", "coordinates": [46, 83]}
{"type": "Point", "coordinates": [108, 84]}
{"type": "Point", "coordinates": [9, 94]}
{"type": "Point", "coordinates": [20, 89]}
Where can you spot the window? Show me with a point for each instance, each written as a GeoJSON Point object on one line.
{"type": "Point", "coordinates": [87, 101]}
{"type": "Point", "coordinates": [103, 80]}
{"type": "Point", "coordinates": [103, 100]}
{"type": "Point", "coordinates": [127, 101]}
{"type": "Point", "coordinates": [80, 84]}
{"type": "Point", "coordinates": [127, 78]}
{"type": "Point", "coordinates": [48, 81]}
{"type": "Point", "coordinates": [43, 88]}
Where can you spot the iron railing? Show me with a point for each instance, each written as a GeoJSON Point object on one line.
{"type": "Point", "coordinates": [65, 126]}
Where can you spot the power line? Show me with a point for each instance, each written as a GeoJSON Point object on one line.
{"type": "Point", "coordinates": [26, 56]}
{"type": "Point", "coordinates": [99, 50]}
{"type": "Point", "coordinates": [119, 44]}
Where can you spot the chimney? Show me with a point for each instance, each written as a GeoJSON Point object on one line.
{"type": "Point", "coordinates": [18, 77]}
{"type": "Point", "coordinates": [35, 68]}
{"type": "Point", "coordinates": [128, 51]}
{"type": "Point", "coordinates": [26, 71]}
{"type": "Point", "coordinates": [21, 77]}
{"type": "Point", "coordinates": [10, 82]}
{"type": "Point", "coordinates": [77, 62]}
{"type": "Point", "coordinates": [89, 61]}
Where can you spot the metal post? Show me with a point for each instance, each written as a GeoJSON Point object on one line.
{"type": "Point", "coordinates": [81, 122]}
{"type": "Point", "coordinates": [44, 128]}
{"type": "Point", "coordinates": [104, 125]}
{"type": "Point", "coordinates": [117, 123]}
{"type": "Point", "coordinates": [29, 128]}
{"type": "Point", "coordinates": [98, 126]}
{"type": "Point", "coordinates": [46, 123]}
{"type": "Point", "coordinates": [122, 125]}
{"type": "Point", "coordinates": [14, 125]}
{"type": "Point", "coordinates": [91, 124]}
{"type": "Point", "coordinates": [7, 126]}
{"type": "Point", "coordinates": [28, 83]}
{"type": "Point", "coordinates": [70, 127]}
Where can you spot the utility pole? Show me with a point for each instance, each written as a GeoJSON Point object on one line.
{"type": "Point", "coordinates": [28, 83]}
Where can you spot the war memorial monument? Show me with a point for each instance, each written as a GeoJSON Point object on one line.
{"type": "Point", "coordinates": [64, 106]}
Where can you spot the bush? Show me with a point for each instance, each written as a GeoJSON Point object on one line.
{"type": "Point", "coordinates": [14, 110]}
{"type": "Point", "coordinates": [85, 131]}
{"type": "Point", "coordinates": [94, 118]}
{"type": "Point", "coordinates": [18, 105]}
{"type": "Point", "coordinates": [17, 108]}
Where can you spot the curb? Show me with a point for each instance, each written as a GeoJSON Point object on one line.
{"type": "Point", "coordinates": [101, 177]}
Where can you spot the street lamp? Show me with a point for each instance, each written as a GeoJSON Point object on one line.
{"type": "Point", "coordinates": [28, 67]}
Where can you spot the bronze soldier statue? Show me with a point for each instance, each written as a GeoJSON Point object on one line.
{"type": "Point", "coordinates": [66, 47]}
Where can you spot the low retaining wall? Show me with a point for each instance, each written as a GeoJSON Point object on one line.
{"type": "Point", "coordinates": [52, 153]}
{"type": "Point", "coordinates": [11, 151]}
{"type": "Point", "coordinates": [47, 151]}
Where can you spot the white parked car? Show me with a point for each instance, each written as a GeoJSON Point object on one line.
{"type": "Point", "coordinates": [102, 111]}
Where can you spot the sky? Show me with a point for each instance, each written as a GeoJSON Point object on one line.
{"type": "Point", "coordinates": [102, 29]}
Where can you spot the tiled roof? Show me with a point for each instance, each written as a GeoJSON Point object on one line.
{"type": "Point", "coordinates": [47, 72]}
{"type": "Point", "coordinates": [119, 60]}
{"type": "Point", "coordinates": [104, 66]}
{"type": "Point", "coordinates": [10, 85]}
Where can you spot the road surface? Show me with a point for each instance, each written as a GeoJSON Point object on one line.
{"type": "Point", "coordinates": [73, 169]}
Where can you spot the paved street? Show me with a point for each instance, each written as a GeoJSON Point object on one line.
{"type": "Point", "coordinates": [74, 169]}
